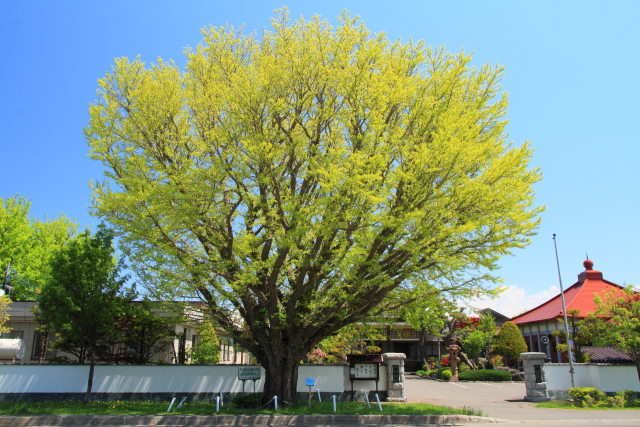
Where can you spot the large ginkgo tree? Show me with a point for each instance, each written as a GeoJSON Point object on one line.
{"type": "Point", "coordinates": [294, 179]}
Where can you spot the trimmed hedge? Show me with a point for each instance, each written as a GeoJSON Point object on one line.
{"type": "Point", "coordinates": [589, 397]}
{"type": "Point", "coordinates": [485, 375]}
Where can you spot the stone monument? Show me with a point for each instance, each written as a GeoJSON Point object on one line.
{"type": "Point", "coordinates": [535, 381]}
{"type": "Point", "coordinates": [395, 376]}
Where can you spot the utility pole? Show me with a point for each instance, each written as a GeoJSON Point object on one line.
{"type": "Point", "coordinates": [564, 313]}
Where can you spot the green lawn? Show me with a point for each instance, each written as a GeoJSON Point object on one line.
{"type": "Point", "coordinates": [208, 408]}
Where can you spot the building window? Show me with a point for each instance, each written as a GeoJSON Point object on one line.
{"type": "Point", "coordinates": [226, 349]}
{"type": "Point", "coordinates": [431, 349]}
{"type": "Point", "coordinates": [12, 335]}
{"type": "Point", "coordinates": [37, 345]}
{"type": "Point", "coordinates": [404, 334]}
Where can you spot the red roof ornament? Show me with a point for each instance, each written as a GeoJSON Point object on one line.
{"type": "Point", "coordinates": [588, 264]}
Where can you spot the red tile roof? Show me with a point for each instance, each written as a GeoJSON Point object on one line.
{"type": "Point", "coordinates": [578, 296]}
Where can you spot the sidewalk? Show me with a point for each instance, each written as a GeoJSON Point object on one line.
{"type": "Point", "coordinates": [504, 401]}
{"type": "Point", "coordinates": [241, 420]}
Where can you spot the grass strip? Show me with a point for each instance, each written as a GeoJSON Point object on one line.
{"type": "Point", "coordinates": [118, 407]}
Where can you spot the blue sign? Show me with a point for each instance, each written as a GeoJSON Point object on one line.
{"type": "Point", "coordinates": [310, 382]}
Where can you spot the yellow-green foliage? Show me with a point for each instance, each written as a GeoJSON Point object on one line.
{"type": "Point", "coordinates": [207, 348]}
{"type": "Point", "coordinates": [28, 245]}
{"type": "Point", "coordinates": [296, 178]}
{"type": "Point", "coordinates": [4, 313]}
{"type": "Point", "coordinates": [589, 397]}
{"type": "Point", "coordinates": [618, 323]}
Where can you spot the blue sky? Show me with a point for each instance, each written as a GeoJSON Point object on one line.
{"type": "Point", "coordinates": [571, 72]}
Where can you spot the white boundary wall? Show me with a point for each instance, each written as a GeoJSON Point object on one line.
{"type": "Point", "coordinates": [607, 378]}
{"type": "Point", "coordinates": [165, 379]}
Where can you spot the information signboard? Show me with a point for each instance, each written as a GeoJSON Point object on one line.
{"type": "Point", "coordinates": [364, 371]}
{"type": "Point", "coordinates": [249, 373]}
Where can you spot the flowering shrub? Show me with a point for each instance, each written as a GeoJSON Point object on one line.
{"type": "Point", "coordinates": [317, 356]}
{"type": "Point", "coordinates": [497, 361]}
{"type": "Point", "coordinates": [431, 363]}
{"type": "Point", "coordinates": [467, 322]}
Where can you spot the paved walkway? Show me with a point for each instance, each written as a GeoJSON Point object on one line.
{"type": "Point", "coordinates": [506, 401]}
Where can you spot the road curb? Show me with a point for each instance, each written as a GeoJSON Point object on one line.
{"type": "Point", "coordinates": [238, 420]}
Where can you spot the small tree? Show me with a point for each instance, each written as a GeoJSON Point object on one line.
{"type": "Point", "coordinates": [143, 332]}
{"type": "Point", "coordinates": [4, 313]}
{"type": "Point", "coordinates": [487, 326]}
{"type": "Point", "coordinates": [474, 343]}
{"type": "Point", "coordinates": [509, 343]}
{"type": "Point", "coordinates": [618, 323]}
{"type": "Point", "coordinates": [207, 348]}
{"type": "Point", "coordinates": [582, 334]}
{"type": "Point", "coordinates": [26, 246]}
{"type": "Point", "coordinates": [82, 299]}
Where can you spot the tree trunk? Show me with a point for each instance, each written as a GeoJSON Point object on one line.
{"type": "Point", "coordinates": [43, 346]}
{"type": "Point", "coordinates": [466, 360]}
{"type": "Point", "coordinates": [92, 363]}
{"type": "Point", "coordinates": [422, 343]}
{"type": "Point", "coordinates": [182, 350]}
{"type": "Point", "coordinates": [638, 368]}
{"type": "Point", "coordinates": [281, 378]}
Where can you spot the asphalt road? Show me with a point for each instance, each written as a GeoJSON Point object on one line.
{"type": "Point", "coordinates": [506, 401]}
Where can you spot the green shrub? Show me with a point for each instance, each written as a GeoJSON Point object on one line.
{"type": "Point", "coordinates": [422, 372]}
{"type": "Point", "coordinates": [509, 343]}
{"type": "Point", "coordinates": [631, 399]}
{"type": "Point", "coordinates": [616, 401]}
{"type": "Point", "coordinates": [485, 375]}
{"type": "Point", "coordinates": [444, 374]}
{"type": "Point", "coordinates": [588, 397]}
{"type": "Point", "coordinates": [372, 349]}
{"type": "Point", "coordinates": [247, 401]}
{"type": "Point", "coordinates": [622, 399]}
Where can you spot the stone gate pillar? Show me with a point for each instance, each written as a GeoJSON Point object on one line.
{"type": "Point", "coordinates": [395, 376]}
{"type": "Point", "coordinates": [534, 378]}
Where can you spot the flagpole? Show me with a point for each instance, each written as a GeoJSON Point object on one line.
{"type": "Point", "coordinates": [564, 313]}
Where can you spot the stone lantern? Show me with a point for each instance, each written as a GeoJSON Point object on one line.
{"type": "Point", "coordinates": [453, 358]}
